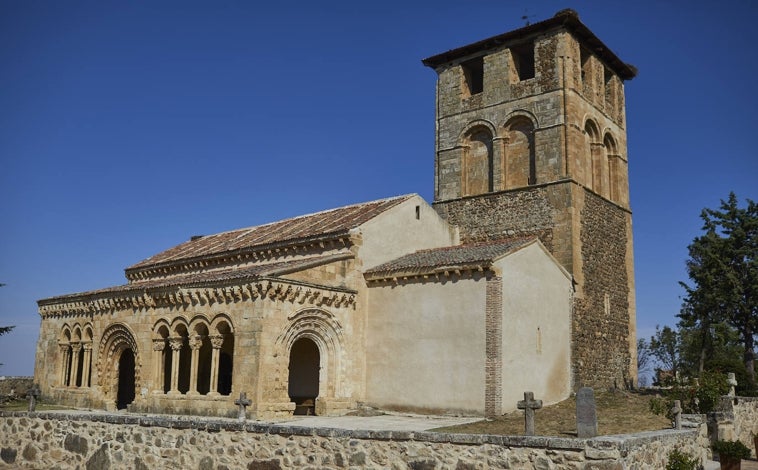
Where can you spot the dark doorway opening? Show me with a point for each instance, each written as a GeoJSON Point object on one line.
{"type": "Point", "coordinates": [225, 374]}
{"type": "Point", "coordinates": [304, 370]}
{"type": "Point", "coordinates": [125, 394]}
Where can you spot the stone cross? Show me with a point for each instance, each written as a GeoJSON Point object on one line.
{"type": "Point", "coordinates": [33, 394]}
{"type": "Point", "coordinates": [243, 403]}
{"type": "Point", "coordinates": [529, 404]}
{"type": "Point", "coordinates": [586, 413]}
{"type": "Point", "coordinates": [677, 412]}
{"type": "Point", "coordinates": [732, 381]}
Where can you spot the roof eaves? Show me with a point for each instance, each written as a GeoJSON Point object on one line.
{"type": "Point", "coordinates": [564, 18]}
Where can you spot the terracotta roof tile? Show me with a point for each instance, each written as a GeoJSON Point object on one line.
{"type": "Point", "coordinates": [472, 254]}
{"type": "Point", "coordinates": [302, 228]}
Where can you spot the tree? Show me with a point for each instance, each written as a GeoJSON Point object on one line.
{"type": "Point", "coordinates": [644, 361]}
{"type": "Point", "coordinates": [723, 270]}
{"type": "Point", "coordinates": [664, 346]}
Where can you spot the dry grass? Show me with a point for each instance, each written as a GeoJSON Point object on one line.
{"type": "Point", "coordinates": [618, 412]}
{"type": "Point", "coordinates": [22, 405]}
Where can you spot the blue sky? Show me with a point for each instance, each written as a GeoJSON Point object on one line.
{"type": "Point", "coordinates": [127, 127]}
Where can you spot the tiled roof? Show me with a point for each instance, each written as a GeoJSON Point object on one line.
{"type": "Point", "coordinates": [210, 277]}
{"type": "Point", "coordinates": [452, 257]}
{"type": "Point", "coordinates": [303, 228]}
{"type": "Point", "coordinates": [565, 18]}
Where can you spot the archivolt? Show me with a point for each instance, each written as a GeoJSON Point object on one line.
{"type": "Point", "coordinates": [314, 323]}
{"type": "Point", "coordinates": [116, 338]}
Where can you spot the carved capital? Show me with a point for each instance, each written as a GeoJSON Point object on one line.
{"type": "Point", "coordinates": [195, 342]}
{"type": "Point", "coordinates": [217, 341]}
{"type": "Point", "coordinates": [63, 346]}
{"type": "Point", "coordinates": [159, 344]}
{"type": "Point", "coordinates": [176, 342]}
{"type": "Point", "coordinates": [87, 346]}
{"type": "Point", "coordinates": [76, 347]}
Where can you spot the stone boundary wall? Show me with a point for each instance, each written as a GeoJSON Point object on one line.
{"type": "Point", "coordinates": [19, 385]}
{"type": "Point", "coordinates": [736, 418]}
{"type": "Point", "coordinates": [67, 440]}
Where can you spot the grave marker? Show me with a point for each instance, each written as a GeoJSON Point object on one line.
{"type": "Point", "coordinates": [529, 404]}
{"type": "Point", "coordinates": [33, 394]}
{"type": "Point", "coordinates": [243, 403]}
{"type": "Point", "coordinates": [586, 413]}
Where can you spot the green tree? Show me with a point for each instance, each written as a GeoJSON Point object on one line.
{"type": "Point", "coordinates": [723, 272]}
{"type": "Point", "coordinates": [665, 346]}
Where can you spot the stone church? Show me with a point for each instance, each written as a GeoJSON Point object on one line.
{"type": "Point", "coordinates": [519, 276]}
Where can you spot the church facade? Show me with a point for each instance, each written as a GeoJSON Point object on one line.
{"type": "Point", "coordinates": [518, 277]}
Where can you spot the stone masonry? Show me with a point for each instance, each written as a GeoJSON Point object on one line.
{"type": "Point", "coordinates": [531, 140]}
{"type": "Point", "coordinates": [112, 441]}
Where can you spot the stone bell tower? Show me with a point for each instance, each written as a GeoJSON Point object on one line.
{"type": "Point", "coordinates": [531, 140]}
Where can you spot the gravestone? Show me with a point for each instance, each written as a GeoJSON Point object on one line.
{"type": "Point", "coordinates": [243, 403]}
{"type": "Point", "coordinates": [732, 382]}
{"type": "Point", "coordinates": [586, 413]}
{"type": "Point", "coordinates": [677, 412]}
{"type": "Point", "coordinates": [33, 394]}
{"type": "Point", "coordinates": [529, 404]}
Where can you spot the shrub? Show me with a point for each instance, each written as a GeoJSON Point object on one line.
{"type": "Point", "coordinates": [678, 460]}
{"type": "Point", "coordinates": [732, 449]}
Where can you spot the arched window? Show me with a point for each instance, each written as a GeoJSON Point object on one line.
{"type": "Point", "coordinates": [477, 162]}
{"type": "Point", "coordinates": [594, 157]}
{"type": "Point", "coordinates": [520, 163]}
{"type": "Point", "coordinates": [612, 162]}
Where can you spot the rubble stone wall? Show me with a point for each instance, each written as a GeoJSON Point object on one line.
{"type": "Point", "coordinates": [17, 385]}
{"type": "Point", "coordinates": [736, 418]}
{"type": "Point", "coordinates": [112, 441]}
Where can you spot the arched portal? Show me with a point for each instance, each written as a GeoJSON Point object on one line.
{"type": "Point", "coordinates": [118, 365]}
{"type": "Point", "coordinates": [304, 368]}
{"type": "Point", "coordinates": [125, 391]}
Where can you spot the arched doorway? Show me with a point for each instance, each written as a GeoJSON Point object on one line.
{"type": "Point", "coordinates": [304, 368]}
{"type": "Point", "coordinates": [125, 392]}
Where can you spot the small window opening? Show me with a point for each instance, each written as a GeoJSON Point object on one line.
{"type": "Point", "coordinates": [523, 59]}
{"type": "Point", "coordinates": [584, 56]}
{"type": "Point", "coordinates": [418, 212]}
{"type": "Point", "coordinates": [473, 73]}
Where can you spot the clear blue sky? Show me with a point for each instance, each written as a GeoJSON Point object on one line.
{"type": "Point", "coordinates": [127, 127]}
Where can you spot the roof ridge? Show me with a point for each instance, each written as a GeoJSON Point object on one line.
{"type": "Point", "coordinates": [310, 214]}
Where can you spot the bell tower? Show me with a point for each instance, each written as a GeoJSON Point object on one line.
{"type": "Point", "coordinates": [531, 140]}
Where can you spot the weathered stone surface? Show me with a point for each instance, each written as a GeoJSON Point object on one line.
{"type": "Point", "coordinates": [237, 449]}
{"type": "Point", "coordinates": [8, 454]}
{"type": "Point", "coordinates": [76, 443]}
{"type": "Point", "coordinates": [586, 413]}
{"type": "Point", "coordinates": [100, 460]}
{"type": "Point", "coordinates": [273, 464]}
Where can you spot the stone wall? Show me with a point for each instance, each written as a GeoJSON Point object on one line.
{"type": "Point", "coordinates": [736, 418]}
{"type": "Point", "coordinates": [111, 441]}
{"type": "Point", "coordinates": [18, 385]}
{"type": "Point", "coordinates": [602, 353]}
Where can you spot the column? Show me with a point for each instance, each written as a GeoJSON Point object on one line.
{"type": "Point", "coordinates": [216, 341]}
{"type": "Point", "coordinates": [77, 349]}
{"type": "Point", "coordinates": [195, 342]}
{"type": "Point", "coordinates": [159, 360]}
{"type": "Point", "coordinates": [176, 349]}
{"type": "Point", "coordinates": [86, 364]}
{"type": "Point", "coordinates": [64, 363]}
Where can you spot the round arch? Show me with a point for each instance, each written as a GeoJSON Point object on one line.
{"type": "Point", "coordinates": [323, 329]}
{"type": "Point", "coordinates": [116, 339]}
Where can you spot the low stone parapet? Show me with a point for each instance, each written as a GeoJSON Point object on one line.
{"type": "Point", "coordinates": [118, 440]}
